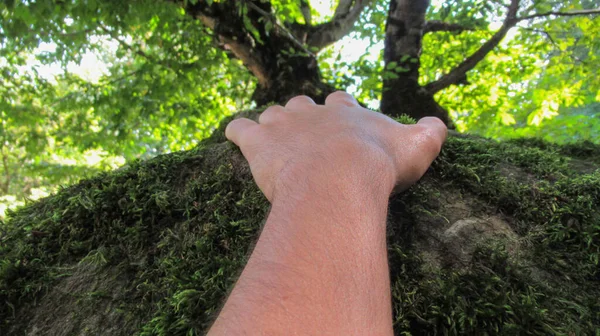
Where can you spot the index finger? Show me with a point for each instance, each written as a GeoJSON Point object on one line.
{"type": "Point", "coordinates": [236, 129]}
{"type": "Point", "coordinates": [435, 129]}
{"type": "Point", "coordinates": [341, 98]}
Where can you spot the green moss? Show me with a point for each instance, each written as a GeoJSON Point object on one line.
{"type": "Point", "coordinates": [494, 296]}
{"type": "Point", "coordinates": [581, 150]}
{"type": "Point", "coordinates": [175, 223]}
{"type": "Point", "coordinates": [405, 119]}
{"type": "Point", "coordinates": [562, 201]}
{"type": "Point", "coordinates": [177, 229]}
{"type": "Point", "coordinates": [554, 208]}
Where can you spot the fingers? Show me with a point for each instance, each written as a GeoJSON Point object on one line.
{"type": "Point", "coordinates": [418, 145]}
{"type": "Point", "coordinates": [436, 129]}
{"type": "Point", "coordinates": [236, 129]}
{"type": "Point", "coordinates": [341, 98]}
{"type": "Point", "coordinates": [271, 114]}
{"type": "Point", "coordinates": [428, 136]}
{"type": "Point", "coordinates": [299, 102]}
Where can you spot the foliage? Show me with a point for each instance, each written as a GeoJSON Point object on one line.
{"type": "Point", "coordinates": [164, 82]}
{"type": "Point", "coordinates": [541, 85]}
{"type": "Point", "coordinates": [164, 88]}
{"type": "Point", "coordinates": [538, 83]}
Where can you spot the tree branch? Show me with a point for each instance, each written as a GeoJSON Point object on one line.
{"type": "Point", "coordinates": [343, 7]}
{"type": "Point", "coordinates": [289, 35]}
{"type": "Point", "coordinates": [459, 73]}
{"type": "Point", "coordinates": [437, 26]}
{"type": "Point", "coordinates": [556, 45]}
{"type": "Point", "coordinates": [344, 18]}
{"type": "Point", "coordinates": [239, 47]}
{"type": "Point", "coordinates": [570, 13]}
{"type": "Point", "coordinates": [44, 34]}
{"type": "Point", "coordinates": [305, 9]}
{"type": "Point", "coordinates": [547, 34]}
{"type": "Point", "coordinates": [6, 183]}
{"type": "Point", "coordinates": [126, 45]}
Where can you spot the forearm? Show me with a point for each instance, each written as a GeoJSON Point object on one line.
{"type": "Point", "coordinates": [319, 267]}
{"type": "Point", "coordinates": [320, 264]}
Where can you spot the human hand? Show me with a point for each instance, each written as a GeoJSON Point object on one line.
{"type": "Point", "coordinates": [302, 146]}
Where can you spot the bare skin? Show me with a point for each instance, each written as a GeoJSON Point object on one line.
{"type": "Point", "coordinates": [320, 264]}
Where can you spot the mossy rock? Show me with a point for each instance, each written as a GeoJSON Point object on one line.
{"type": "Point", "coordinates": [497, 238]}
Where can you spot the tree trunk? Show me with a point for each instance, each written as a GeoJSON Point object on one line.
{"type": "Point", "coordinates": [282, 65]}
{"type": "Point", "coordinates": [289, 76]}
{"type": "Point", "coordinates": [407, 97]}
{"type": "Point", "coordinates": [500, 234]}
{"type": "Point", "coordinates": [402, 93]}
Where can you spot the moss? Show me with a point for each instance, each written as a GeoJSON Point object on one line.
{"type": "Point", "coordinates": [176, 230]}
{"type": "Point", "coordinates": [494, 296]}
{"type": "Point", "coordinates": [174, 223]}
{"type": "Point", "coordinates": [405, 119]}
{"type": "Point", "coordinates": [555, 211]}
{"type": "Point", "coordinates": [561, 201]}
{"type": "Point", "coordinates": [581, 150]}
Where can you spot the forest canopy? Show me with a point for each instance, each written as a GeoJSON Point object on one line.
{"type": "Point", "coordinates": [90, 85]}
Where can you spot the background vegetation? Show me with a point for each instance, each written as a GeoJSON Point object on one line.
{"type": "Point", "coordinates": [153, 80]}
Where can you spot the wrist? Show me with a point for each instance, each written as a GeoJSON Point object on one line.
{"type": "Point", "coordinates": [340, 199]}
{"type": "Point", "coordinates": [349, 181]}
{"type": "Point", "coordinates": [332, 198]}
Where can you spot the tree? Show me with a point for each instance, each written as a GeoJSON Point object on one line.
{"type": "Point", "coordinates": [153, 246]}
{"type": "Point", "coordinates": [175, 67]}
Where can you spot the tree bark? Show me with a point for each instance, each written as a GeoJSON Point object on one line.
{"type": "Point", "coordinates": [289, 76]}
{"type": "Point", "coordinates": [343, 21]}
{"type": "Point", "coordinates": [402, 93]}
{"type": "Point", "coordinates": [275, 56]}
{"type": "Point", "coordinates": [441, 26]}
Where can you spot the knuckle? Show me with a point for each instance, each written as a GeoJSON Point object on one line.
{"type": "Point", "coordinates": [337, 96]}
{"type": "Point", "coordinates": [233, 125]}
{"type": "Point", "coordinates": [339, 93]}
{"type": "Point", "coordinates": [272, 113]}
{"type": "Point", "coordinates": [300, 97]}
{"type": "Point", "coordinates": [341, 97]}
{"type": "Point", "coordinates": [428, 139]}
{"type": "Point", "coordinates": [271, 110]}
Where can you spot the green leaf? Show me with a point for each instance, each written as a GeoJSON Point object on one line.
{"type": "Point", "coordinates": [401, 69]}
{"type": "Point", "coordinates": [24, 14]}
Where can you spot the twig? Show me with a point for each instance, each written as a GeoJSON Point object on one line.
{"type": "Point", "coordinates": [48, 34]}
{"type": "Point", "coordinates": [546, 34]}
{"type": "Point", "coordinates": [126, 45]}
{"type": "Point", "coordinates": [553, 13]}
{"type": "Point", "coordinates": [283, 29]}
{"type": "Point", "coordinates": [458, 73]}
{"type": "Point", "coordinates": [6, 171]}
